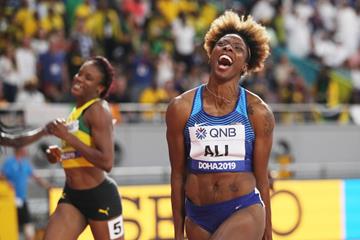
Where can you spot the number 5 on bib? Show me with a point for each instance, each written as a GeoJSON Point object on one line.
{"type": "Point", "coordinates": [116, 227]}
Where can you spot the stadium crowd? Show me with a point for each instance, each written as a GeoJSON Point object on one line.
{"type": "Point", "coordinates": [156, 47]}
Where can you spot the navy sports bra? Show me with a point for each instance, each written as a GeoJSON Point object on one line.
{"type": "Point", "coordinates": [219, 143]}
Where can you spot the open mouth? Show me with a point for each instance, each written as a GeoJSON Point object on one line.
{"type": "Point", "coordinates": [225, 61]}
{"type": "Point", "coordinates": [76, 86]}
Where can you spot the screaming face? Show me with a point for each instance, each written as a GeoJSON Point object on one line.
{"type": "Point", "coordinates": [228, 58]}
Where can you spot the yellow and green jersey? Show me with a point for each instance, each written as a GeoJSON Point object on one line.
{"type": "Point", "coordinates": [71, 158]}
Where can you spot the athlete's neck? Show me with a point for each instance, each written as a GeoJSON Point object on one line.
{"type": "Point", "coordinates": [81, 102]}
{"type": "Point", "coordinates": [226, 93]}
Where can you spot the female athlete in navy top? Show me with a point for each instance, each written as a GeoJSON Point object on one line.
{"type": "Point", "coordinates": [219, 138]}
{"type": "Point", "coordinates": [219, 143]}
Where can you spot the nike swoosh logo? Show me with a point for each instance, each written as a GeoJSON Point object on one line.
{"type": "Point", "coordinates": [199, 124]}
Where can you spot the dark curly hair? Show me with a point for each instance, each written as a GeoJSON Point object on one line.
{"type": "Point", "coordinates": [107, 70]}
{"type": "Point", "coordinates": [253, 34]}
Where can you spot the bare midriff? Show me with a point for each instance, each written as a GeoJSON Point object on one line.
{"type": "Point", "coordinates": [211, 188]}
{"type": "Point", "coordinates": [84, 177]}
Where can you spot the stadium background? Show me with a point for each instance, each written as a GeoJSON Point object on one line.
{"type": "Point", "coordinates": [311, 81]}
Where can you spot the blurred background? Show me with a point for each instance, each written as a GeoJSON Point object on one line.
{"type": "Point", "coordinates": [311, 81]}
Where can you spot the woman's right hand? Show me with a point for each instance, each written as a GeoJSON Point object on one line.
{"type": "Point", "coordinates": [53, 154]}
{"type": "Point", "coordinates": [57, 128]}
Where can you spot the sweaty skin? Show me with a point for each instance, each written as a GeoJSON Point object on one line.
{"type": "Point", "coordinates": [100, 121]}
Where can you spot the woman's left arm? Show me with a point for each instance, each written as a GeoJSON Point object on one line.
{"type": "Point", "coordinates": [263, 123]}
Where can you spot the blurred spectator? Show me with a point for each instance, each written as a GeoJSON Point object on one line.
{"type": "Point", "coordinates": [17, 170]}
{"type": "Point", "coordinates": [354, 60]}
{"type": "Point", "coordinates": [40, 42]}
{"type": "Point", "coordinates": [153, 95]}
{"type": "Point", "coordinates": [284, 157]}
{"type": "Point", "coordinates": [295, 90]}
{"type": "Point", "coordinates": [330, 52]}
{"type": "Point", "coordinates": [282, 72]}
{"type": "Point", "coordinates": [131, 40]}
{"type": "Point", "coordinates": [142, 71]}
{"type": "Point", "coordinates": [355, 76]}
{"type": "Point", "coordinates": [195, 76]}
{"type": "Point", "coordinates": [84, 10]}
{"type": "Point", "coordinates": [9, 73]}
{"type": "Point", "coordinates": [158, 33]}
{"type": "Point", "coordinates": [26, 19]}
{"type": "Point", "coordinates": [205, 13]}
{"type": "Point", "coordinates": [171, 91]}
{"type": "Point", "coordinates": [4, 21]}
{"type": "Point", "coordinates": [52, 22]}
{"type": "Point", "coordinates": [304, 9]}
{"type": "Point", "coordinates": [42, 8]}
{"type": "Point", "coordinates": [321, 86]}
{"type": "Point", "coordinates": [53, 70]}
{"type": "Point", "coordinates": [300, 91]}
{"type": "Point", "coordinates": [180, 80]}
{"type": "Point", "coordinates": [118, 91]}
{"type": "Point", "coordinates": [82, 46]}
{"type": "Point", "coordinates": [263, 10]}
{"type": "Point", "coordinates": [137, 8]}
{"type": "Point", "coordinates": [25, 62]}
{"type": "Point", "coordinates": [184, 40]}
{"type": "Point", "coordinates": [164, 68]}
{"type": "Point", "coordinates": [278, 23]}
{"type": "Point", "coordinates": [71, 7]}
{"type": "Point", "coordinates": [347, 27]}
{"type": "Point", "coordinates": [298, 34]}
{"type": "Point", "coordinates": [3, 102]}
{"type": "Point", "coordinates": [170, 9]}
{"type": "Point", "coordinates": [327, 12]}
{"type": "Point", "coordinates": [259, 83]}
{"type": "Point", "coordinates": [30, 94]}
{"type": "Point", "coordinates": [104, 26]}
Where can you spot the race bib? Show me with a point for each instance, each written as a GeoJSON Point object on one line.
{"type": "Point", "coordinates": [73, 126]}
{"type": "Point", "coordinates": [217, 143]}
{"type": "Point", "coordinates": [116, 227]}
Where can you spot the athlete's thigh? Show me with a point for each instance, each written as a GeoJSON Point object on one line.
{"type": "Point", "coordinates": [194, 231]}
{"type": "Point", "coordinates": [244, 224]}
{"type": "Point", "coordinates": [66, 223]}
{"type": "Point", "coordinates": [108, 229]}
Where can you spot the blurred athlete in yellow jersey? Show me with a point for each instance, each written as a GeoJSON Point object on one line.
{"type": "Point", "coordinates": [87, 153]}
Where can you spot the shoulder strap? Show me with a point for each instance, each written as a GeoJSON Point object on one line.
{"type": "Point", "coordinates": [197, 103]}
{"type": "Point", "coordinates": [242, 105]}
{"type": "Point", "coordinates": [76, 112]}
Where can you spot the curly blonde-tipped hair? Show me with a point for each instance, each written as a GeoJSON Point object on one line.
{"type": "Point", "coordinates": [253, 34]}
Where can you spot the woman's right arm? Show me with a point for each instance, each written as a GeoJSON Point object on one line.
{"type": "Point", "coordinates": [175, 122]}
